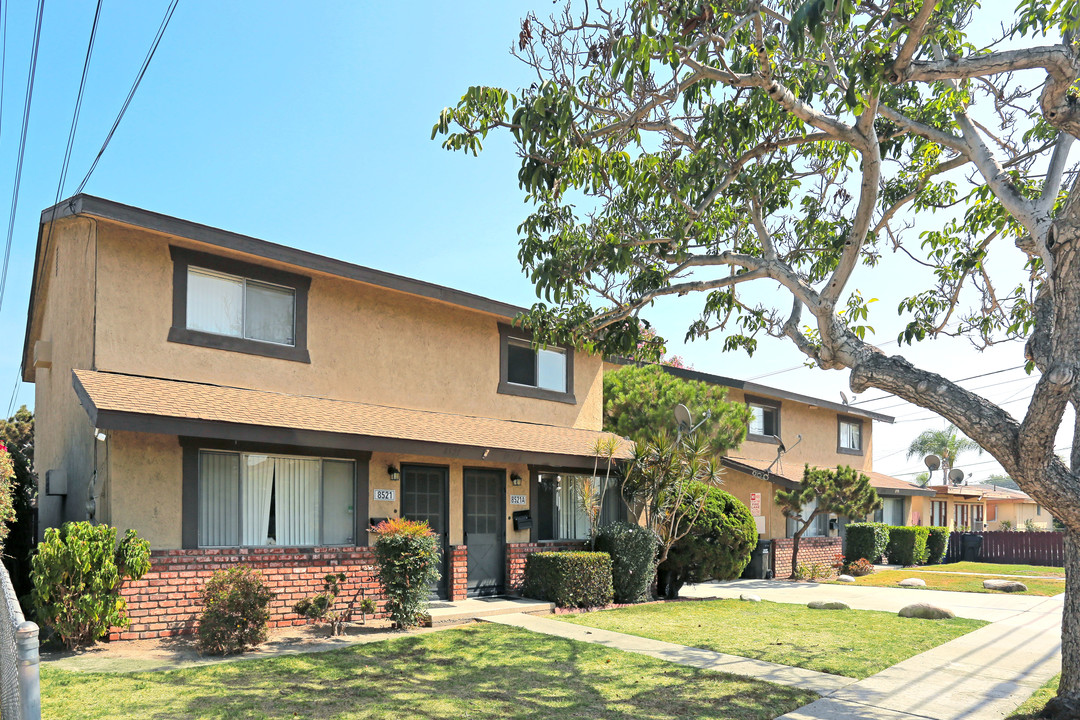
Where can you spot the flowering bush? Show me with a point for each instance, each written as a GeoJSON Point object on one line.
{"type": "Point", "coordinates": [407, 553]}
{"type": "Point", "coordinates": [860, 567]}
{"type": "Point", "coordinates": [7, 507]}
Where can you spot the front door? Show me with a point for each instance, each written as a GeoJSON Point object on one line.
{"type": "Point", "coordinates": [485, 530]}
{"type": "Point", "coordinates": [425, 493]}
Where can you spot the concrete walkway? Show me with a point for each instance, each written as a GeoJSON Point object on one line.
{"type": "Point", "coordinates": [991, 607]}
{"type": "Point", "coordinates": [821, 683]}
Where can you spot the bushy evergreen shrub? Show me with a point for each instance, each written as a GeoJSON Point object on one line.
{"type": "Point", "coordinates": [569, 579]}
{"type": "Point", "coordinates": [907, 545]}
{"type": "Point", "coordinates": [717, 547]}
{"type": "Point", "coordinates": [937, 544]}
{"type": "Point", "coordinates": [78, 571]}
{"type": "Point", "coordinates": [407, 553]}
{"type": "Point", "coordinates": [866, 540]}
{"type": "Point", "coordinates": [236, 611]}
{"type": "Point", "coordinates": [633, 559]}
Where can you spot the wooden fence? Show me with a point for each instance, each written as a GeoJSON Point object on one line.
{"type": "Point", "coordinates": [1030, 548]}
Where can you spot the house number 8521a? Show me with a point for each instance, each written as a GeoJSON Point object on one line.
{"type": "Point", "coordinates": [385, 495]}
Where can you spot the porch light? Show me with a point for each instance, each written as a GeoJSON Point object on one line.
{"type": "Point", "coordinates": [395, 474]}
{"type": "Point", "coordinates": [515, 479]}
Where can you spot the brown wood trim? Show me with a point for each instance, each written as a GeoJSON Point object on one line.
{"type": "Point", "coordinates": [507, 388]}
{"type": "Point", "coordinates": [840, 419]}
{"type": "Point", "coordinates": [183, 258]}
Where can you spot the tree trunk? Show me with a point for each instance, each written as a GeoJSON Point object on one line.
{"type": "Point", "coordinates": [795, 552]}
{"type": "Point", "coordinates": [1066, 706]}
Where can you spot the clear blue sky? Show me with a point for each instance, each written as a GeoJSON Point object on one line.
{"type": "Point", "coordinates": [311, 128]}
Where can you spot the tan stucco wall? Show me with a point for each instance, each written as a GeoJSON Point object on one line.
{"type": "Point", "coordinates": [63, 436]}
{"type": "Point", "coordinates": [1018, 513]}
{"type": "Point", "coordinates": [366, 343]}
{"type": "Point", "coordinates": [144, 486]}
{"type": "Point", "coordinates": [742, 485]}
{"type": "Point", "coordinates": [379, 478]}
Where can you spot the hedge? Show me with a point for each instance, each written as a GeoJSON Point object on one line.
{"type": "Point", "coordinates": [569, 579]}
{"type": "Point", "coordinates": [937, 544]}
{"type": "Point", "coordinates": [867, 541]}
{"type": "Point", "coordinates": [633, 559]}
{"type": "Point", "coordinates": [907, 545]}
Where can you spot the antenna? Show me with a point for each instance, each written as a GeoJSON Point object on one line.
{"type": "Point", "coordinates": [956, 476]}
{"type": "Point", "coordinates": [781, 449]}
{"type": "Point", "coordinates": [683, 418]}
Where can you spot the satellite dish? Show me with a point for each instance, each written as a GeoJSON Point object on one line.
{"type": "Point", "coordinates": [956, 476]}
{"type": "Point", "coordinates": [683, 419]}
{"type": "Point", "coordinates": [844, 398]}
{"type": "Point", "coordinates": [933, 462]}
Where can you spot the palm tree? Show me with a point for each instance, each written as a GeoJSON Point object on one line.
{"type": "Point", "coordinates": [947, 444]}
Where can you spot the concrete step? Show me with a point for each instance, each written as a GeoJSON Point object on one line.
{"type": "Point", "coordinates": [442, 613]}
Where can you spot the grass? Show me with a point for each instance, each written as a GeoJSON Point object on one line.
{"type": "Point", "coordinates": [853, 643]}
{"type": "Point", "coordinates": [1033, 706]}
{"type": "Point", "coordinates": [959, 583]}
{"type": "Point", "coordinates": [479, 671]}
{"type": "Point", "coordinates": [997, 569]}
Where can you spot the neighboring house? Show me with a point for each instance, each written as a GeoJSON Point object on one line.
{"type": "Point", "coordinates": [234, 400]}
{"type": "Point", "coordinates": [984, 507]}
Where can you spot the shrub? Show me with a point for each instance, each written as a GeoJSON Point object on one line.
{"type": "Point", "coordinates": [1030, 526]}
{"type": "Point", "coordinates": [813, 571]}
{"type": "Point", "coordinates": [633, 559]}
{"type": "Point", "coordinates": [321, 606]}
{"type": "Point", "coordinates": [860, 567]}
{"type": "Point", "coordinates": [407, 553]}
{"type": "Point", "coordinates": [78, 571]}
{"type": "Point", "coordinates": [907, 545]}
{"type": "Point", "coordinates": [7, 493]}
{"type": "Point", "coordinates": [867, 540]}
{"type": "Point", "coordinates": [569, 579]}
{"type": "Point", "coordinates": [937, 544]}
{"type": "Point", "coordinates": [235, 611]}
{"type": "Point", "coordinates": [717, 547]}
{"type": "Point", "coordinates": [1006, 525]}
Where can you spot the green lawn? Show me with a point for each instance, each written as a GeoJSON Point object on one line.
{"type": "Point", "coordinates": [959, 583]}
{"type": "Point", "coordinates": [1030, 710]}
{"type": "Point", "coordinates": [479, 671]}
{"type": "Point", "coordinates": [853, 643]}
{"type": "Point", "coordinates": [996, 568]}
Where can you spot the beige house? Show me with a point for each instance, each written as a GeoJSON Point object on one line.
{"type": "Point", "coordinates": [230, 397]}
{"type": "Point", "coordinates": [982, 507]}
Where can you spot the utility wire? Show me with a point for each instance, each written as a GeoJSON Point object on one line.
{"type": "Point", "coordinates": [22, 147]}
{"type": "Point", "coordinates": [131, 93]}
{"type": "Point", "coordinates": [3, 58]}
{"type": "Point", "coordinates": [973, 377]}
{"type": "Point", "coordinates": [977, 464]}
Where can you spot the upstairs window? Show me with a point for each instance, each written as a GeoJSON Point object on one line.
{"type": "Point", "coordinates": [544, 373]}
{"type": "Point", "coordinates": [764, 420]}
{"type": "Point", "coordinates": [240, 307]}
{"type": "Point", "coordinates": [849, 440]}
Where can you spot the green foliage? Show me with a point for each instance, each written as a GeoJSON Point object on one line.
{"type": "Point", "coordinates": [813, 571]}
{"type": "Point", "coordinates": [407, 554]}
{"type": "Point", "coordinates": [633, 559]}
{"type": "Point", "coordinates": [77, 574]}
{"type": "Point", "coordinates": [907, 545]}
{"type": "Point", "coordinates": [937, 544]}
{"type": "Point", "coordinates": [7, 506]}
{"type": "Point", "coordinates": [948, 444]}
{"type": "Point", "coordinates": [718, 545]}
{"type": "Point", "coordinates": [569, 579]}
{"type": "Point", "coordinates": [236, 611]}
{"type": "Point", "coordinates": [638, 403]}
{"type": "Point", "coordinates": [859, 568]}
{"type": "Point", "coordinates": [1030, 526]}
{"type": "Point", "coordinates": [321, 605]}
{"type": "Point", "coordinates": [1007, 526]}
{"type": "Point", "coordinates": [867, 540]}
{"type": "Point", "coordinates": [17, 434]}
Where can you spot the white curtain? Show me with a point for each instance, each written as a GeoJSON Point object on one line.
{"type": "Point", "coordinates": [850, 435]}
{"type": "Point", "coordinates": [258, 482]}
{"type": "Point", "coordinates": [573, 522]}
{"type": "Point", "coordinates": [215, 303]}
{"type": "Point", "coordinates": [270, 312]}
{"type": "Point", "coordinates": [219, 499]}
{"type": "Point", "coordinates": [297, 501]}
{"type": "Point", "coordinates": [338, 499]}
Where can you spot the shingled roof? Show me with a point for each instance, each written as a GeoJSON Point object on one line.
{"type": "Point", "coordinates": [174, 407]}
{"type": "Point", "coordinates": [791, 474]}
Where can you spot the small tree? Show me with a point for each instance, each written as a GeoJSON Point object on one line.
{"type": "Point", "coordinates": [843, 491]}
{"type": "Point", "coordinates": [407, 553]}
{"type": "Point", "coordinates": [321, 606]}
{"type": "Point", "coordinates": [17, 434]}
{"type": "Point", "coordinates": [660, 480]}
{"type": "Point", "coordinates": [593, 490]}
{"type": "Point", "coordinates": [948, 444]}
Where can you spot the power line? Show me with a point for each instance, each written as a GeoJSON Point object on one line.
{"type": "Point", "coordinates": [973, 377]}
{"type": "Point", "coordinates": [131, 93]}
{"type": "Point", "coordinates": [22, 147]}
{"type": "Point", "coordinates": [977, 464]}
{"type": "Point", "coordinates": [936, 417]}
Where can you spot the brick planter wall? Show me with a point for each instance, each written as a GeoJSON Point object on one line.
{"type": "Point", "coordinates": [167, 600]}
{"type": "Point", "coordinates": [819, 550]}
{"type": "Point", "coordinates": [517, 552]}
{"type": "Point", "coordinates": [457, 585]}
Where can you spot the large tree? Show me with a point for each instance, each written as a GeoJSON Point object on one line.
{"type": "Point", "coordinates": [688, 148]}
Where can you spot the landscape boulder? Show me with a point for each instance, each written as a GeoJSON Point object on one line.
{"type": "Point", "coordinates": [926, 611]}
{"type": "Point", "coordinates": [827, 605]}
{"type": "Point", "coordinates": [749, 598]}
{"type": "Point", "coordinates": [1004, 585]}
{"type": "Point", "coordinates": [912, 582]}
{"type": "Point", "coordinates": [845, 578]}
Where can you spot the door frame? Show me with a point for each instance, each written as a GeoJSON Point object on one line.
{"type": "Point", "coordinates": [503, 474]}
{"type": "Point", "coordinates": [442, 590]}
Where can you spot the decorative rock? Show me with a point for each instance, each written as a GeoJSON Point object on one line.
{"type": "Point", "coordinates": [827, 605]}
{"type": "Point", "coordinates": [845, 578]}
{"type": "Point", "coordinates": [912, 582]}
{"type": "Point", "coordinates": [926, 611]}
{"type": "Point", "coordinates": [1004, 585]}
{"type": "Point", "coordinates": [749, 598]}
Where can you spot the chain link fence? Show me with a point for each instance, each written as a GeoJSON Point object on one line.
{"type": "Point", "coordinates": [20, 695]}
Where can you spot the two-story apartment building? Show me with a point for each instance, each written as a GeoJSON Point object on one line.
{"type": "Point", "coordinates": [235, 400]}
{"type": "Point", "coordinates": [974, 507]}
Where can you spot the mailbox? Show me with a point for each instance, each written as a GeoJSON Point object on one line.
{"type": "Point", "coordinates": [522, 520]}
{"type": "Point", "coordinates": [375, 521]}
